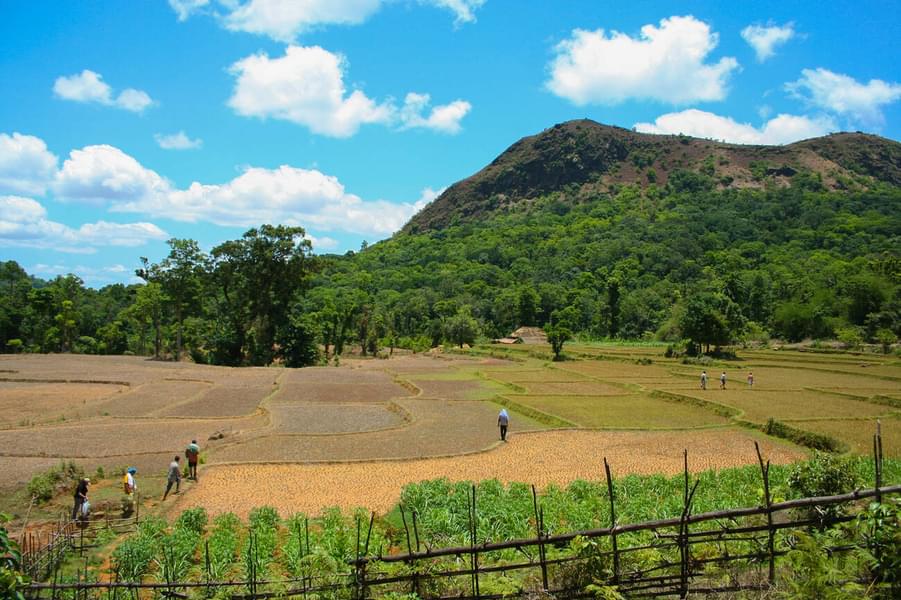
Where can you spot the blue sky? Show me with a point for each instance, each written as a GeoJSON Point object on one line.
{"type": "Point", "coordinates": [123, 124]}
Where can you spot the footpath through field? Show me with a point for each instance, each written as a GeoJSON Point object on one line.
{"type": "Point", "coordinates": [542, 458]}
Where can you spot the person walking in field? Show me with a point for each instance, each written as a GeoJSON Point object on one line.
{"type": "Point", "coordinates": [81, 496]}
{"type": "Point", "coordinates": [129, 486]}
{"type": "Point", "coordinates": [192, 453]}
{"type": "Point", "coordinates": [503, 421]}
{"type": "Point", "coordinates": [750, 380]}
{"type": "Point", "coordinates": [723, 381]}
{"type": "Point", "coordinates": [174, 476]}
{"type": "Point", "coordinates": [703, 380]}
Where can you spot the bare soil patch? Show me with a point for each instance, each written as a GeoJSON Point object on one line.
{"type": "Point", "coordinates": [439, 427]}
{"type": "Point", "coordinates": [332, 418]}
{"type": "Point", "coordinates": [23, 404]}
{"type": "Point", "coordinates": [153, 398]}
{"type": "Point", "coordinates": [454, 390]}
{"type": "Point", "coordinates": [376, 391]}
{"type": "Point", "coordinates": [221, 401]}
{"type": "Point", "coordinates": [557, 457]}
{"type": "Point", "coordinates": [115, 437]}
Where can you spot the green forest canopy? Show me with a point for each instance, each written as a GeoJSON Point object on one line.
{"type": "Point", "coordinates": [684, 261]}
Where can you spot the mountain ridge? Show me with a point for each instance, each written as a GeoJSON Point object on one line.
{"type": "Point", "coordinates": [583, 159]}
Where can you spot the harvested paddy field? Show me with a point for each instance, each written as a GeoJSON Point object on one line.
{"type": "Point", "coordinates": [24, 403]}
{"type": "Point", "coordinates": [634, 411]}
{"type": "Point", "coordinates": [115, 437]}
{"type": "Point", "coordinates": [858, 433]}
{"type": "Point", "coordinates": [556, 457]}
{"type": "Point", "coordinates": [335, 418]}
{"type": "Point", "coordinates": [436, 428]}
{"type": "Point", "coordinates": [153, 398]}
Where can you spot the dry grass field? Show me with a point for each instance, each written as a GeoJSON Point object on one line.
{"type": "Point", "coordinates": [382, 423]}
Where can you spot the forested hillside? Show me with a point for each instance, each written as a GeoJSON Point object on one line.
{"type": "Point", "coordinates": [790, 252]}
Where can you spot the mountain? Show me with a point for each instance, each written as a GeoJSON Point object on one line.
{"type": "Point", "coordinates": [585, 160]}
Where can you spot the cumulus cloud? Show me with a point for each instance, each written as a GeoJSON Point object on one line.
{"type": "Point", "coordinates": [105, 176]}
{"type": "Point", "coordinates": [782, 129]}
{"type": "Point", "coordinates": [765, 39]}
{"type": "Point", "coordinates": [844, 95]}
{"type": "Point", "coordinates": [26, 166]}
{"type": "Point", "coordinates": [444, 118]}
{"type": "Point", "coordinates": [185, 8]}
{"type": "Point", "coordinates": [24, 222]}
{"type": "Point", "coordinates": [285, 20]}
{"type": "Point", "coordinates": [284, 195]}
{"type": "Point", "coordinates": [99, 174]}
{"type": "Point", "coordinates": [177, 141]}
{"type": "Point", "coordinates": [665, 63]}
{"type": "Point", "coordinates": [306, 86]}
{"type": "Point", "coordinates": [95, 275]}
{"type": "Point", "coordinates": [89, 86]}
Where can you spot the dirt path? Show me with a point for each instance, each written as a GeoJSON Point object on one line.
{"type": "Point", "coordinates": [540, 458]}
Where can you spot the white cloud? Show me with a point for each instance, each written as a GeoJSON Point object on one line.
{"type": "Point", "coordinates": [306, 87]}
{"type": "Point", "coordinates": [844, 95]}
{"type": "Point", "coordinates": [185, 8]}
{"type": "Point", "coordinates": [444, 118]}
{"type": "Point", "coordinates": [665, 63]}
{"type": "Point", "coordinates": [285, 20]}
{"type": "Point", "coordinates": [26, 166]}
{"type": "Point", "coordinates": [427, 195]}
{"type": "Point", "coordinates": [284, 195]}
{"type": "Point", "coordinates": [177, 141]}
{"type": "Point", "coordinates": [782, 129]}
{"type": "Point", "coordinates": [89, 86]}
{"type": "Point", "coordinates": [98, 275]}
{"type": "Point", "coordinates": [98, 174]}
{"type": "Point", "coordinates": [24, 223]}
{"type": "Point", "coordinates": [764, 40]}
{"type": "Point", "coordinates": [105, 176]}
{"type": "Point", "coordinates": [322, 243]}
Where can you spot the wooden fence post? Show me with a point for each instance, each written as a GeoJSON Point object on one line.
{"type": "Point", "coordinates": [415, 579]}
{"type": "Point", "coordinates": [771, 532]}
{"type": "Point", "coordinates": [539, 526]}
{"type": "Point", "coordinates": [474, 556]}
{"type": "Point", "coordinates": [684, 551]}
{"type": "Point", "coordinates": [877, 459]}
{"type": "Point", "coordinates": [612, 522]}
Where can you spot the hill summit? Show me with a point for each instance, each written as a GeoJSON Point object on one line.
{"type": "Point", "coordinates": [584, 159]}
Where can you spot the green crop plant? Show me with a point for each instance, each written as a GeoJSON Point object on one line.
{"type": "Point", "coordinates": [223, 545]}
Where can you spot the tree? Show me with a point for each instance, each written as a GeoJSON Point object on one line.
{"type": "Point", "coordinates": [181, 276]}
{"type": "Point", "coordinates": [559, 330]}
{"type": "Point", "coordinates": [298, 339]}
{"type": "Point", "coordinates": [260, 277]}
{"type": "Point", "coordinates": [527, 303]}
{"type": "Point", "coordinates": [704, 322]}
{"type": "Point", "coordinates": [462, 328]}
{"type": "Point", "coordinates": [147, 312]}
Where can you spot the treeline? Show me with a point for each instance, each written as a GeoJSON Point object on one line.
{"type": "Point", "coordinates": [674, 263]}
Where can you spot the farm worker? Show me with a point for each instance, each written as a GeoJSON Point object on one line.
{"type": "Point", "coordinates": [503, 421]}
{"type": "Point", "coordinates": [128, 482]}
{"type": "Point", "coordinates": [723, 381]}
{"type": "Point", "coordinates": [750, 380]}
{"type": "Point", "coordinates": [81, 496]}
{"type": "Point", "coordinates": [703, 380]}
{"type": "Point", "coordinates": [174, 476]}
{"type": "Point", "coordinates": [192, 453]}
{"type": "Point", "coordinates": [129, 487]}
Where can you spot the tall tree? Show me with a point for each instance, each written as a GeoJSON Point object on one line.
{"type": "Point", "coordinates": [180, 275]}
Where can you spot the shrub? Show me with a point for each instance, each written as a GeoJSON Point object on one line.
{"type": "Point", "coordinates": [14, 345]}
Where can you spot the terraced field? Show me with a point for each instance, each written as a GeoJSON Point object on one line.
{"type": "Point", "coordinates": [435, 414]}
